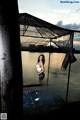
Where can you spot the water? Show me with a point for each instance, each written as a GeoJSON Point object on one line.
{"type": "Point", "coordinates": [57, 78]}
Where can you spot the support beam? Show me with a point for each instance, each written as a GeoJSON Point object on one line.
{"type": "Point", "coordinates": [10, 60]}
{"type": "Point", "coordinates": [49, 64]}
{"type": "Point", "coordinates": [71, 48]}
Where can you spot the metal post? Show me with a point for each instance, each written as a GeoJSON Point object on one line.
{"type": "Point", "coordinates": [48, 65]}
{"type": "Point", "coordinates": [10, 60]}
{"type": "Point", "coordinates": [71, 42]}
{"type": "Point", "coordinates": [68, 82]}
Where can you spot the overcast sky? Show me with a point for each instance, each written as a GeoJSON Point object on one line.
{"type": "Point", "coordinates": [52, 10]}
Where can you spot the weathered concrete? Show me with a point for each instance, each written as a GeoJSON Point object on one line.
{"type": "Point", "coordinates": [10, 58]}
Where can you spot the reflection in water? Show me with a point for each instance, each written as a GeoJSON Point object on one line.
{"type": "Point", "coordinates": [57, 77]}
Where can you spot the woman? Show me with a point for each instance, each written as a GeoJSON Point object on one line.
{"type": "Point", "coordinates": [40, 66]}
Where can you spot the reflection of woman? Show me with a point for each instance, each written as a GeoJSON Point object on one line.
{"type": "Point", "coordinates": [40, 66]}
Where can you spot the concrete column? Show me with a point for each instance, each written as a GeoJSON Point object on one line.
{"type": "Point", "coordinates": [10, 58]}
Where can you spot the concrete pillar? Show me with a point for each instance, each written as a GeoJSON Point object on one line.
{"type": "Point", "coordinates": [10, 59]}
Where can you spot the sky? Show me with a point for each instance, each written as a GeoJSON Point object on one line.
{"type": "Point", "coordinates": [53, 11]}
{"type": "Point", "coordinates": [58, 12]}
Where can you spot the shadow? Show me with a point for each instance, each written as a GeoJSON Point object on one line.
{"type": "Point", "coordinates": [66, 111]}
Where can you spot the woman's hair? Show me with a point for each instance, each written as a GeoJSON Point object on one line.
{"type": "Point", "coordinates": [43, 58]}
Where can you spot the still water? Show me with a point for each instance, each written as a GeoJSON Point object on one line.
{"type": "Point", "coordinates": [57, 77]}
